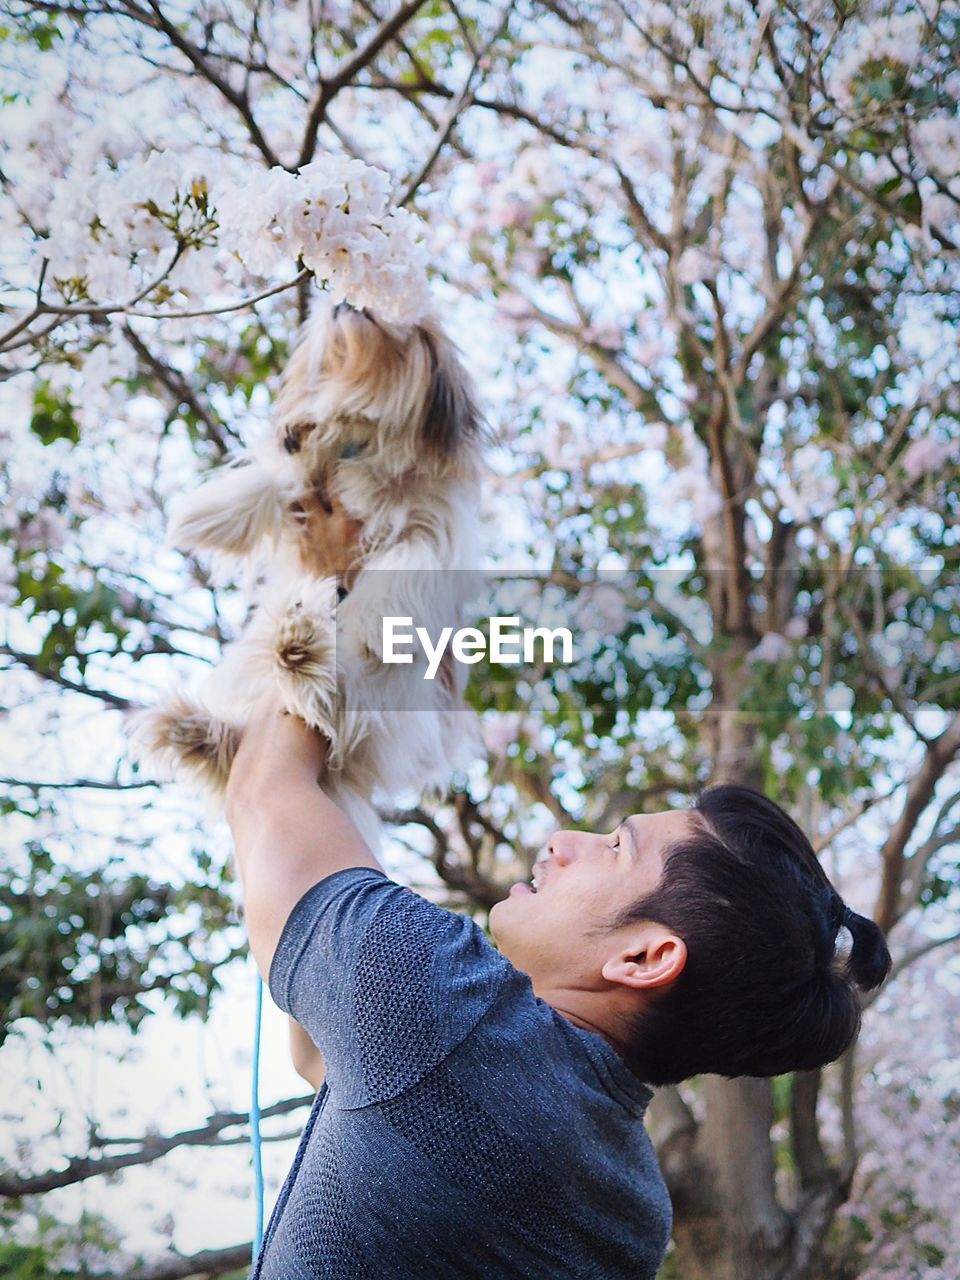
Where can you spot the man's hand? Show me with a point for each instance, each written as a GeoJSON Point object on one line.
{"type": "Point", "coordinates": [288, 834]}
{"type": "Point", "coordinates": [275, 747]}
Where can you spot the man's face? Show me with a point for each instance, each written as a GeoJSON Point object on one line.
{"type": "Point", "coordinates": [556, 929]}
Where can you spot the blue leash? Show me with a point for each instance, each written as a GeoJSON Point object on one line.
{"type": "Point", "coordinates": [255, 1123]}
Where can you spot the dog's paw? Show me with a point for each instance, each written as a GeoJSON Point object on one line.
{"type": "Point", "coordinates": [305, 653]}
{"type": "Point", "coordinates": [304, 643]}
{"type": "Point", "coordinates": [180, 738]}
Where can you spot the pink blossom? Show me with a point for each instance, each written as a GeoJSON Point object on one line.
{"type": "Point", "coordinates": [486, 172]}
{"type": "Point", "coordinates": [608, 608]}
{"type": "Point", "coordinates": [605, 333]}
{"type": "Point", "coordinates": [696, 265]}
{"type": "Point", "coordinates": [500, 730]}
{"type": "Point", "coordinates": [925, 455]}
{"type": "Point", "coordinates": [649, 352]}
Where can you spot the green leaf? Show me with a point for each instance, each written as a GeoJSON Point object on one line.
{"type": "Point", "coordinates": [53, 416]}
{"type": "Point", "coordinates": [911, 204]}
{"type": "Point", "coordinates": [887, 188]}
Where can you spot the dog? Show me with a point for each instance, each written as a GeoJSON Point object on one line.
{"type": "Point", "coordinates": [383, 420]}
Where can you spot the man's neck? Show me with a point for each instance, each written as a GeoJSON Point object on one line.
{"type": "Point", "coordinates": [591, 1011]}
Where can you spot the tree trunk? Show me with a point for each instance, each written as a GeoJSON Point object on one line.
{"type": "Point", "coordinates": [738, 1230]}
{"type": "Point", "coordinates": [728, 1221]}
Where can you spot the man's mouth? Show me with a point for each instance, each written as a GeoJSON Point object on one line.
{"type": "Point", "coordinates": [537, 879]}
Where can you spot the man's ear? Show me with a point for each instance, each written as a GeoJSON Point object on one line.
{"type": "Point", "coordinates": [651, 957]}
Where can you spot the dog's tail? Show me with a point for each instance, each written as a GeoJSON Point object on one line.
{"type": "Point", "coordinates": [234, 511]}
{"type": "Point", "coordinates": [180, 738]}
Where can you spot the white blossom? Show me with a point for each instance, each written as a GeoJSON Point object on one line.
{"type": "Point", "coordinates": [45, 531]}
{"type": "Point", "coordinates": [689, 480]}
{"type": "Point", "coordinates": [895, 39]}
{"type": "Point", "coordinates": [649, 351]}
{"type": "Point", "coordinates": [810, 488]}
{"type": "Point", "coordinates": [838, 700]}
{"type": "Point", "coordinates": [773, 648]}
{"type": "Point", "coordinates": [781, 757]}
{"type": "Point", "coordinates": [604, 608]}
{"type": "Point", "coordinates": [796, 628]}
{"type": "Point", "coordinates": [536, 175]}
{"type": "Point", "coordinates": [118, 227]}
{"type": "Point", "coordinates": [334, 215]}
{"type": "Point", "coordinates": [936, 140]}
{"type": "Point", "coordinates": [8, 574]}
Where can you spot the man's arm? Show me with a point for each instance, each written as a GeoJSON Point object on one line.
{"type": "Point", "coordinates": [306, 1057]}
{"type": "Point", "coordinates": [287, 833]}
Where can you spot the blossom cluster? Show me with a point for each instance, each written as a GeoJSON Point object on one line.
{"type": "Point", "coordinates": [910, 1128]}
{"type": "Point", "coordinates": [114, 229]}
{"type": "Point", "coordinates": [895, 39]}
{"type": "Point", "coordinates": [334, 215]}
{"type": "Point", "coordinates": [121, 229]}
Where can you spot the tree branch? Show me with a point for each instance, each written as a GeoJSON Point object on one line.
{"type": "Point", "coordinates": [32, 663]}
{"type": "Point", "coordinates": [604, 358]}
{"type": "Point", "coordinates": [940, 752]}
{"type": "Point", "coordinates": [917, 953]}
{"type": "Point", "coordinates": [239, 101]}
{"type": "Point", "coordinates": [103, 309]}
{"type": "Point", "coordinates": [76, 784]}
{"type": "Point", "coordinates": [874, 668]}
{"type": "Point", "coordinates": [811, 1159]}
{"type": "Point", "coordinates": [198, 1266]}
{"type": "Point", "coordinates": [776, 310]}
{"type": "Point", "coordinates": [80, 1168]}
{"type": "Point", "coordinates": [674, 1128]}
{"type": "Point", "coordinates": [180, 388]}
{"type": "Point", "coordinates": [460, 103]}
{"type": "Point", "coordinates": [654, 236]}
{"type": "Point", "coordinates": [477, 887]}
{"type": "Point", "coordinates": [362, 58]}
{"type": "Point", "coordinates": [79, 309]}
{"type": "Point", "coordinates": [824, 841]}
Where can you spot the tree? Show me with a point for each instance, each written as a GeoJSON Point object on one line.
{"type": "Point", "coordinates": [713, 250]}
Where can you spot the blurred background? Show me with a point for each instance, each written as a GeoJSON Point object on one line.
{"type": "Point", "coordinates": [702, 261]}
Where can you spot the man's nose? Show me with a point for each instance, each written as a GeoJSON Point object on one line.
{"type": "Point", "coordinates": [563, 847]}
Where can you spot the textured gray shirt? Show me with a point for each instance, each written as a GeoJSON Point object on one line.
{"type": "Point", "coordinates": [465, 1128]}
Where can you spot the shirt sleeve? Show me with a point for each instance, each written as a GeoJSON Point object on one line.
{"type": "Point", "coordinates": [386, 983]}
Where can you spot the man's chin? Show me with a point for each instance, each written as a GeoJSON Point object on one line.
{"type": "Point", "coordinates": [498, 920]}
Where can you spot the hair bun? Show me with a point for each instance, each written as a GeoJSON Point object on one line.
{"type": "Point", "coordinates": [869, 961]}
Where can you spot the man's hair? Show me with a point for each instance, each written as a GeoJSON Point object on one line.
{"type": "Point", "coordinates": [763, 990]}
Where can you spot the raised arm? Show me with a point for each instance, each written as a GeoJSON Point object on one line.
{"type": "Point", "coordinates": [306, 1057]}
{"type": "Point", "coordinates": [287, 833]}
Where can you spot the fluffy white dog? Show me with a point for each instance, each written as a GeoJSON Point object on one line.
{"type": "Point", "coordinates": [382, 421]}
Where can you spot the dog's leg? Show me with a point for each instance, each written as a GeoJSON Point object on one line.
{"type": "Point", "coordinates": [303, 646]}
{"type": "Point", "coordinates": [179, 737]}
{"type": "Point", "coordinates": [420, 731]}
{"type": "Point", "coordinates": [236, 510]}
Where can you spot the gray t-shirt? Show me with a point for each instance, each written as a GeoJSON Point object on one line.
{"type": "Point", "coordinates": [465, 1128]}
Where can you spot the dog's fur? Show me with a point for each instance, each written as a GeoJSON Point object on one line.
{"type": "Point", "coordinates": [384, 417]}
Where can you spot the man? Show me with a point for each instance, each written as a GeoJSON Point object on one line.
{"type": "Point", "coordinates": [482, 1111]}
